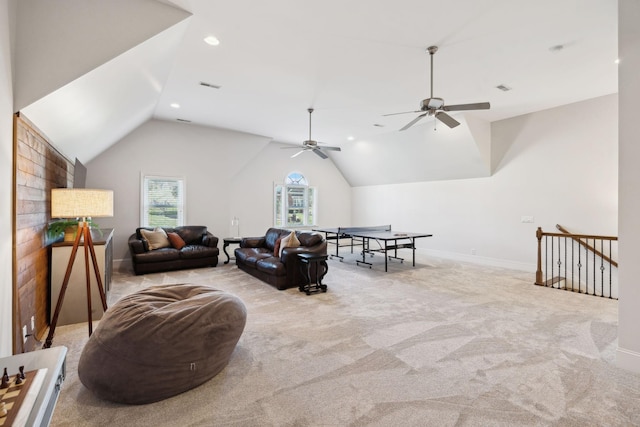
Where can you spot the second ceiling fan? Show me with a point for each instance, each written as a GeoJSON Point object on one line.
{"type": "Point", "coordinates": [436, 107]}
{"type": "Point", "coordinates": [311, 145]}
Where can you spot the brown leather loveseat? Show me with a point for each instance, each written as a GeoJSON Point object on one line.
{"type": "Point", "coordinates": [195, 247]}
{"type": "Point", "coordinates": [257, 256]}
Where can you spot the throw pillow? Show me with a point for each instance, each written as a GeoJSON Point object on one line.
{"type": "Point", "coordinates": [156, 239]}
{"type": "Point", "coordinates": [176, 241]}
{"type": "Point", "coordinates": [276, 247]}
{"type": "Point", "coordinates": [289, 242]}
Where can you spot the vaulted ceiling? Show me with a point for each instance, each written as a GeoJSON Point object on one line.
{"type": "Point", "coordinates": [89, 72]}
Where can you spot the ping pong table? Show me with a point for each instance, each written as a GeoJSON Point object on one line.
{"type": "Point", "coordinates": [386, 239]}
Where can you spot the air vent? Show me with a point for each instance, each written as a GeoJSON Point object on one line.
{"type": "Point", "coordinates": [378, 125]}
{"type": "Point", "coordinates": [184, 120]}
{"type": "Point", "coordinates": [503, 88]}
{"type": "Point", "coordinates": [212, 86]}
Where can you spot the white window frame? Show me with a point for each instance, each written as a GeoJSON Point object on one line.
{"type": "Point", "coordinates": [281, 207]}
{"type": "Point", "coordinates": [145, 205]}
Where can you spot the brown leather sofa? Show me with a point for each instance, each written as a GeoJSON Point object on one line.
{"type": "Point", "coordinates": [256, 256]}
{"type": "Point", "coordinates": [200, 250]}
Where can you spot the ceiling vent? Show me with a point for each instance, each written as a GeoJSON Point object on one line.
{"type": "Point", "coordinates": [212, 86]}
{"type": "Point", "coordinates": [184, 120]}
{"type": "Point", "coordinates": [503, 88]}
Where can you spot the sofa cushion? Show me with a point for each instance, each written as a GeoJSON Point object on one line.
{"type": "Point", "coordinates": [249, 256]}
{"type": "Point", "coordinates": [175, 240]}
{"type": "Point", "coordinates": [271, 265]}
{"type": "Point", "coordinates": [156, 239]}
{"type": "Point", "coordinates": [289, 241]}
{"type": "Point", "coordinates": [310, 239]}
{"type": "Point", "coordinates": [197, 251]}
{"type": "Point", "coordinates": [159, 255]}
{"type": "Point", "coordinates": [272, 235]}
{"type": "Point", "coordinates": [191, 234]}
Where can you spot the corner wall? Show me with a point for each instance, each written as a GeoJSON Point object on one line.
{"type": "Point", "coordinates": [560, 167]}
{"type": "Point", "coordinates": [6, 180]}
{"type": "Point", "coordinates": [628, 355]}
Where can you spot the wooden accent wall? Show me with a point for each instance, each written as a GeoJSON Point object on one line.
{"type": "Point", "coordinates": [39, 167]}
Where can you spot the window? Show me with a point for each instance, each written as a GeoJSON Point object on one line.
{"type": "Point", "coordinates": [294, 202]}
{"type": "Point", "coordinates": [162, 201]}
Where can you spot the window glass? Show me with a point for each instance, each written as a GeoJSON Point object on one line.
{"type": "Point", "coordinates": [162, 201]}
{"type": "Point", "coordinates": [294, 202]}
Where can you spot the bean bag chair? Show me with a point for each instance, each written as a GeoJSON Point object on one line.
{"type": "Point", "coordinates": [161, 341]}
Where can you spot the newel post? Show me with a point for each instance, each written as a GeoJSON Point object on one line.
{"type": "Point", "coordinates": [539, 269]}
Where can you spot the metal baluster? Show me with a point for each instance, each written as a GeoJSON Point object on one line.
{"type": "Point", "coordinates": [579, 269]}
{"type": "Point", "coordinates": [610, 268]}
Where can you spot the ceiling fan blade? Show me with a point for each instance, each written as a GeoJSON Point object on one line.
{"type": "Point", "coordinates": [405, 112]}
{"type": "Point", "coordinates": [320, 153]}
{"type": "Point", "coordinates": [330, 148]}
{"type": "Point", "coordinates": [447, 119]}
{"type": "Point", "coordinates": [461, 107]}
{"type": "Point", "coordinates": [413, 122]}
{"type": "Point", "coordinates": [298, 153]}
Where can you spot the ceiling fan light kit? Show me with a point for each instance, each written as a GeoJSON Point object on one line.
{"type": "Point", "coordinates": [436, 107]}
{"type": "Point", "coordinates": [312, 145]}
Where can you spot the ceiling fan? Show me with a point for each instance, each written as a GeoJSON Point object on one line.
{"type": "Point", "coordinates": [311, 145]}
{"type": "Point", "coordinates": [436, 106]}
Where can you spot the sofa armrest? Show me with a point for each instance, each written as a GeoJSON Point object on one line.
{"type": "Point", "coordinates": [253, 242]}
{"type": "Point", "coordinates": [210, 240]}
{"type": "Point", "coordinates": [136, 246]}
{"type": "Point", "coordinates": [291, 253]}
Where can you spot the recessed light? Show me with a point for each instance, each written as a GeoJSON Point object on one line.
{"type": "Point", "coordinates": [617, 61]}
{"type": "Point", "coordinates": [174, 105]}
{"type": "Point", "coordinates": [212, 40]}
{"type": "Point", "coordinates": [350, 138]}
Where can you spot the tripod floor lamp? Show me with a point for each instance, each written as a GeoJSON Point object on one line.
{"type": "Point", "coordinates": [80, 203]}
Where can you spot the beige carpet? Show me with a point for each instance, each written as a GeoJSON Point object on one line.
{"type": "Point", "coordinates": [441, 344]}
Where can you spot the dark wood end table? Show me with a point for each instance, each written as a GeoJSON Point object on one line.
{"type": "Point", "coordinates": [229, 241]}
{"type": "Point", "coordinates": [313, 263]}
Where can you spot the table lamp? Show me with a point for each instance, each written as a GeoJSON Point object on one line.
{"type": "Point", "coordinates": [80, 203]}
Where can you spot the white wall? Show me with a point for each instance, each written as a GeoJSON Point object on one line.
{"type": "Point", "coordinates": [628, 355]}
{"type": "Point", "coordinates": [6, 179]}
{"type": "Point", "coordinates": [227, 174]}
{"type": "Point", "coordinates": [560, 167]}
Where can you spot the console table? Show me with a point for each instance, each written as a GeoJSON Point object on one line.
{"type": "Point", "coordinates": [53, 359]}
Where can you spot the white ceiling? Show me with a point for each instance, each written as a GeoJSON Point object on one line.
{"type": "Point", "coordinates": [353, 61]}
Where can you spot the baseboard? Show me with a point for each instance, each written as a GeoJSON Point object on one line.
{"type": "Point", "coordinates": [628, 360]}
{"type": "Point", "coordinates": [123, 265]}
{"type": "Point", "coordinates": [475, 259]}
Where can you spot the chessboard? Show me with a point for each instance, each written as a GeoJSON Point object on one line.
{"type": "Point", "coordinates": [14, 397]}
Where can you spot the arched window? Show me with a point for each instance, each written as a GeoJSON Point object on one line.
{"type": "Point", "coordinates": [294, 202]}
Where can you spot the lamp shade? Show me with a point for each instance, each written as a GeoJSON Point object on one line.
{"type": "Point", "coordinates": [81, 202]}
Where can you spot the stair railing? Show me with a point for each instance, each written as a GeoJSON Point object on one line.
{"type": "Point", "coordinates": [577, 262]}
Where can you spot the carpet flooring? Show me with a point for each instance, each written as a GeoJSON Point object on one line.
{"type": "Point", "coordinates": [439, 344]}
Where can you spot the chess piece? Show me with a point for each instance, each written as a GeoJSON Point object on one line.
{"type": "Point", "coordinates": [18, 379]}
{"type": "Point", "coordinates": [5, 379]}
{"type": "Point", "coordinates": [3, 410]}
{"type": "Point", "coordinates": [21, 369]}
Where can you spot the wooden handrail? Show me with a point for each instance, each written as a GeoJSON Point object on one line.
{"type": "Point", "coordinates": [578, 237]}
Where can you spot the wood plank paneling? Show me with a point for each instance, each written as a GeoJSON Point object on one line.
{"type": "Point", "coordinates": [39, 167]}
